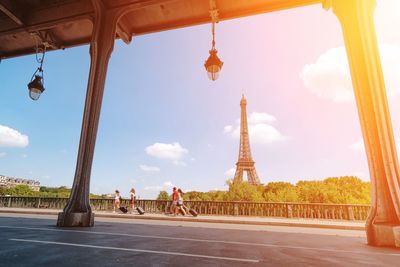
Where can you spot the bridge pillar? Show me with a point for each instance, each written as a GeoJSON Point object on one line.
{"type": "Point", "coordinates": [78, 212]}
{"type": "Point", "coordinates": [356, 18]}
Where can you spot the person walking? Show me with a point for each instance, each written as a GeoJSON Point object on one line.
{"type": "Point", "coordinates": [117, 200]}
{"type": "Point", "coordinates": [133, 198]}
{"type": "Point", "coordinates": [174, 201]}
{"type": "Point", "coordinates": [179, 204]}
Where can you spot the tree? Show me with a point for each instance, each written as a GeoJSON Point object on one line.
{"type": "Point", "coordinates": [61, 191]}
{"type": "Point", "coordinates": [347, 189]}
{"type": "Point", "coordinates": [311, 191]}
{"type": "Point", "coordinates": [20, 190]}
{"type": "Point", "coordinates": [214, 195]}
{"type": "Point", "coordinates": [195, 195]}
{"type": "Point", "coordinates": [3, 191]}
{"type": "Point", "coordinates": [280, 192]}
{"type": "Point", "coordinates": [244, 192]}
{"type": "Point", "coordinates": [163, 195]}
{"type": "Point", "coordinates": [340, 190]}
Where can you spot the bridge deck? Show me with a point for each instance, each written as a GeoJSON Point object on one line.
{"type": "Point", "coordinates": [32, 241]}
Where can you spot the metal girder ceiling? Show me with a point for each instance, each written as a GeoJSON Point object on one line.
{"type": "Point", "coordinates": [66, 23]}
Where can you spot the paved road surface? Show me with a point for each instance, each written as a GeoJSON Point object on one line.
{"type": "Point", "coordinates": [37, 242]}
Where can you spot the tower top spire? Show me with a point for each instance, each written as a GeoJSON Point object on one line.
{"type": "Point", "coordinates": [243, 101]}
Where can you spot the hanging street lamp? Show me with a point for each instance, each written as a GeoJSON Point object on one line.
{"type": "Point", "coordinates": [36, 87]}
{"type": "Point", "coordinates": [213, 64]}
{"type": "Point", "coordinates": [36, 84]}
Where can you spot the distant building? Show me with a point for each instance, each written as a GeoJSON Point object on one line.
{"type": "Point", "coordinates": [8, 182]}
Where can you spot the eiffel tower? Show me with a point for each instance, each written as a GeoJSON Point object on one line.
{"type": "Point", "coordinates": [245, 161]}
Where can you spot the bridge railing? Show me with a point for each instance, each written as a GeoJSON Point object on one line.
{"type": "Point", "coordinates": [230, 208]}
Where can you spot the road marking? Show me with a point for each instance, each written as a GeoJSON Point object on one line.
{"type": "Point", "coordinates": [204, 240]}
{"type": "Point", "coordinates": [136, 250]}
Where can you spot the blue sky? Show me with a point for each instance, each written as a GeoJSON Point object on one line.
{"type": "Point", "coordinates": [164, 123]}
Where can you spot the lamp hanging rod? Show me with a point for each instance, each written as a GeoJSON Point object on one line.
{"type": "Point", "coordinates": [214, 19]}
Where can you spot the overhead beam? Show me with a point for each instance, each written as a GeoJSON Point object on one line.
{"type": "Point", "coordinates": [267, 8]}
{"type": "Point", "coordinates": [260, 9]}
{"type": "Point", "coordinates": [84, 12]}
{"type": "Point", "coordinates": [123, 32]}
{"type": "Point", "coordinates": [45, 19]}
{"type": "Point", "coordinates": [48, 39]}
{"type": "Point", "coordinates": [31, 50]}
{"type": "Point", "coordinates": [50, 18]}
{"type": "Point", "coordinates": [5, 7]}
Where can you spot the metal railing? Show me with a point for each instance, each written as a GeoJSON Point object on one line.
{"type": "Point", "coordinates": [233, 208]}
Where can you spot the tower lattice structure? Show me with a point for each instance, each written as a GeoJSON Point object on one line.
{"type": "Point", "coordinates": [245, 161]}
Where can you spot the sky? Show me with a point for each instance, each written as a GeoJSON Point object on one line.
{"type": "Point", "coordinates": [163, 123]}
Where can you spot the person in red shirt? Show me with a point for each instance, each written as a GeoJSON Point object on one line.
{"type": "Point", "coordinates": [174, 201]}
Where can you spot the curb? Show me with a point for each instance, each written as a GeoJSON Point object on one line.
{"type": "Point", "coordinates": [198, 219]}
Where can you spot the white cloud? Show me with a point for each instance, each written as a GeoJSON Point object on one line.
{"type": "Point", "coordinates": [260, 117]}
{"type": "Point", "coordinates": [12, 138]}
{"type": "Point", "coordinates": [261, 133]}
{"type": "Point", "coordinates": [172, 151]}
{"type": "Point", "coordinates": [147, 168]}
{"type": "Point", "coordinates": [179, 163]}
{"type": "Point", "coordinates": [24, 156]}
{"type": "Point", "coordinates": [329, 77]}
{"type": "Point", "coordinates": [137, 180]}
{"type": "Point", "coordinates": [153, 188]}
{"type": "Point", "coordinates": [230, 173]}
{"type": "Point", "coordinates": [227, 129]}
{"type": "Point", "coordinates": [259, 130]}
{"type": "Point", "coordinates": [3, 154]}
{"type": "Point", "coordinates": [358, 146]}
{"type": "Point", "coordinates": [167, 186]}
